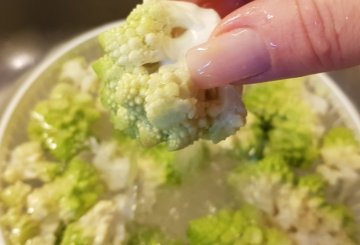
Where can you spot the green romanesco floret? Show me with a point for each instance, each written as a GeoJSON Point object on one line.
{"type": "Point", "coordinates": [102, 224]}
{"type": "Point", "coordinates": [146, 84]}
{"type": "Point", "coordinates": [314, 184]}
{"type": "Point", "coordinates": [297, 205]}
{"type": "Point", "coordinates": [148, 235]}
{"type": "Point", "coordinates": [69, 195]}
{"type": "Point", "coordinates": [341, 137]}
{"type": "Point", "coordinates": [28, 162]}
{"type": "Point", "coordinates": [289, 125]}
{"type": "Point", "coordinates": [62, 123]}
{"type": "Point", "coordinates": [248, 143]}
{"type": "Point", "coordinates": [246, 226]}
{"type": "Point", "coordinates": [19, 227]}
{"type": "Point", "coordinates": [340, 166]}
{"type": "Point", "coordinates": [340, 153]}
{"type": "Point", "coordinates": [257, 182]}
{"type": "Point", "coordinates": [15, 195]}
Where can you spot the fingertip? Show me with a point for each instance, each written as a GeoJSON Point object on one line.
{"type": "Point", "coordinates": [229, 58]}
{"type": "Point", "coordinates": [201, 68]}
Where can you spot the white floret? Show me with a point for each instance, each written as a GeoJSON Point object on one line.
{"type": "Point", "coordinates": [104, 224]}
{"type": "Point", "coordinates": [27, 162]}
{"type": "Point", "coordinates": [114, 168]}
{"type": "Point", "coordinates": [341, 169]}
{"type": "Point", "coordinates": [79, 73]}
{"type": "Point", "coordinates": [295, 211]}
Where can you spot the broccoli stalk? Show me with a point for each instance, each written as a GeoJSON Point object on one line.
{"type": "Point", "coordinates": [147, 87]}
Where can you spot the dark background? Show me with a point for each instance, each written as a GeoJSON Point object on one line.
{"type": "Point", "coordinates": [30, 28]}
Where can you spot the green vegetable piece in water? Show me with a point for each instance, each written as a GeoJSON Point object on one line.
{"type": "Point", "coordinates": [62, 123]}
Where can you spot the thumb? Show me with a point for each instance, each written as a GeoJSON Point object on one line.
{"type": "Point", "coordinates": [266, 40]}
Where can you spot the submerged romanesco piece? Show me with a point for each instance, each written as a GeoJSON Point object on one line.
{"type": "Point", "coordinates": [15, 195]}
{"type": "Point", "coordinates": [147, 235]}
{"type": "Point", "coordinates": [69, 195]}
{"type": "Point", "coordinates": [246, 226]}
{"type": "Point", "coordinates": [19, 227]}
{"type": "Point", "coordinates": [297, 205]}
{"type": "Point", "coordinates": [100, 225]}
{"type": "Point", "coordinates": [286, 123]}
{"type": "Point", "coordinates": [340, 153]}
{"type": "Point", "coordinates": [340, 167]}
{"type": "Point", "coordinates": [248, 143]}
{"type": "Point", "coordinates": [62, 123]}
{"type": "Point", "coordinates": [28, 162]}
{"type": "Point", "coordinates": [146, 84]}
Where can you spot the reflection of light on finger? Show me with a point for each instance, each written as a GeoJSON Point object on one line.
{"type": "Point", "coordinates": [21, 61]}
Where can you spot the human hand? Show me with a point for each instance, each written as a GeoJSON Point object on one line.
{"type": "Point", "coordinates": [272, 39]}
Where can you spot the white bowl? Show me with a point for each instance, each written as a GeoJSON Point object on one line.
{"type": "Point", "coordinates": [36, 86]}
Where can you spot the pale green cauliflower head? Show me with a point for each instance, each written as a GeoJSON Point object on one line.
{"type": "Point", "coordinates": [100, 225]}
{"type": "Point", "coordinates": [340, 166]}
{"type": "Point", "coordinates": [297, 205]}
{"type": "Point", "coordinates": [70, 195]}
{"type": "Point", "coordinates": [340, 153]}
{"type": "Point", "coordinates": [246, 226]}
{"type": "Point", "coordinates": [28, 163]}
{"type": "Point", "coordinates": [146, 84]}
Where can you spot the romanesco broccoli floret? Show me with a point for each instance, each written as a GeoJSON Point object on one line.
{"type": "Point", "coordinates": [69, 195]}
{"type": "Point", "coordinates": [313, 183]}
{"type": "Point", "coordinates": [18, 224]}
{"type": "Point", "coordinates": [15, 195]}
{"type": "Point", "coordinates": [340, 166]}
{"type": "Point", "coordinates": [146, 84]}
{"type": "Point", "coordinates": [248, 143]}
{"type": "Point", "coordinates": [102, 224]}
{"type": "Point", "coordinates": [340, 153]}
{"type": "Point", "coordinates": [296, 142]}
{"type": "Point", "coordinates": [289, 125]}
{"type": "Point", "coordinates": [62, 123]}
{"type": "Point", "coordinates": [297, 205]}
{"type": "Point", "coordinates": [28, 162]}
{"type": "Point", "coordinates": [246, 226]}
{"type": "Point", "coordinates": [19, 227]}
{"type": "Point", "coordinates": [148, 235]}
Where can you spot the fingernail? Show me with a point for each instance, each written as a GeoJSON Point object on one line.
{"type": "Point", "coordinates": [230, 57]}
